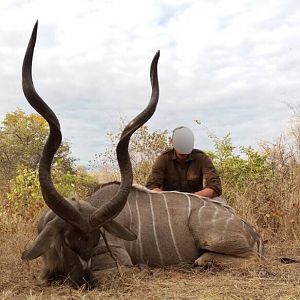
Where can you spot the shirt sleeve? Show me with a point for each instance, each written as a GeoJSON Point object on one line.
{"type": "Point", "coordinates": [156, 178]}
{"type": "Point", "coordinates": [211, 177]}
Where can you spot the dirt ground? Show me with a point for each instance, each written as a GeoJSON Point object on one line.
{"type": "Point", "coordinates": [256, 280]}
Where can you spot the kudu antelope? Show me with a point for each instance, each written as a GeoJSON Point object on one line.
{"type": "Point", "coordinates": [69, 230]}
{"type": "Point", "coordinates": [176, 227]}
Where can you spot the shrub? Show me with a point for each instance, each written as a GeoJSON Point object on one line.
{"type": "Point", "coordinates": [25, 199]}
{"type": "Point", "coordinates": [262, 185]}
{"type": "Point", "coordinates": [143, 149]}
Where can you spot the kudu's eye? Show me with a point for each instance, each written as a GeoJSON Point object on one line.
{"type": "Point", "coordinates": [70, 243]}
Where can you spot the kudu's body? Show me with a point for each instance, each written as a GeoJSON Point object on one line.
{"type": "Point", "coordinates": [69, 230]}
{"type": "Point", "coordinates": [174, 227]}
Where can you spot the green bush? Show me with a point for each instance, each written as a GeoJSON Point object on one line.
{"type": "Point", "coordinates": [262, 185]}
{"type": "Point", "coordinates": [238, 169]}
{"type": "Point", "coordinates": [25, 198]}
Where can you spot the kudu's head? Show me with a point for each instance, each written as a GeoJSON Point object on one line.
{"type": "Point", "coordinates": [70, 230]}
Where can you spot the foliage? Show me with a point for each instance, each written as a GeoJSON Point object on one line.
{"type": "Point", "coordinates": [238, 169]}
{"type": "Point", "coordinates": [263, 186]}
{"type": "Point", "coordinates": [22, 138]}
{"type": "Point", "coordinates": [143, 149]}
{"type": "Point", "coordinates": [25, 197]}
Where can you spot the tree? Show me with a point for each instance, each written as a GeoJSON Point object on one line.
{"type": "Point", "coordinates": [22, 138]}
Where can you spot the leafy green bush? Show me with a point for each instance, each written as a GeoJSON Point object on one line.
{"type": "Point", "coordinates": [262, 185]}
{"type": "Point", "coordinates": [25, 198]}
{"type": "Point", "coordinates": [238, 169]}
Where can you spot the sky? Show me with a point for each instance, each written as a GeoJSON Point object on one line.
{"type": "Point", "coordinates": [232, 65]}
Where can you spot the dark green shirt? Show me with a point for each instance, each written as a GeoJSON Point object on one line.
{"type": "Point", "coordinates": [171, 174]}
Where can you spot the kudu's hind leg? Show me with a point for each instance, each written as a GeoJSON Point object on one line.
{"type": "Point", "coordinates": [222, 233]}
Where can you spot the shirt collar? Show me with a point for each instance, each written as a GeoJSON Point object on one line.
{"type": "Point", "coordinates": [174, 157]}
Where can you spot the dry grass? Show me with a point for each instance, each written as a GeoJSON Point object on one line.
{"type": "Point", "coordinates": [268, 280]}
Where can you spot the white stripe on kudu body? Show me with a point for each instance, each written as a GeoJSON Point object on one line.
{"type": "Point", "coordinates": [130, 221]}
{"type": "Point", "coordinates": [154, 230]}
{"type": "Point", "coordinates": [227, 223]}
{"type": "Point", "coordinates": [190, 205]}
{"type": "Point", "coordinates": [200, 211]}
{"type": "Point", "coordinates": [139, 242]}
{"type": "Point", "coordinates": [214, 217]}
{"type": "Point", "coordinates": [171, 229]}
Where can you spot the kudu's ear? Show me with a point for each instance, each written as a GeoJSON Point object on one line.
{"type": "Point", "coordinates": [119, 231]}
{"type": "Point", "coordinates": [43, 241]}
